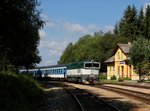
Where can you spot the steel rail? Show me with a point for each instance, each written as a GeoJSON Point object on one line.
{"type": "Point", "coordinates": [130, 85]}
{"type": "Point", "coordinates": [76, 99]}
{"type": "Point", "coordinates": [95, 97]}
{"type": "Point", "coordinates": [104, 102]}
{"type": "Point", "coordinates": [137, 95]}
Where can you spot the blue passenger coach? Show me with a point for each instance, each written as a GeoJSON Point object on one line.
{"type": "Point", "coordinates": [54, 71]}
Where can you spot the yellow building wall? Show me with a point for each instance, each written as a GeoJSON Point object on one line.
{"type": "Point", "coordinates": [120, 65]}
{"type": "Point", "coordinates": [110, 70]}
{"type": "Point", "coordinates": [120, 68]}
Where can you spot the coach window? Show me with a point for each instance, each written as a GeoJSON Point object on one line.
{"type": "Point", "coordinates": [59, 71]}
{"type": "Point", "coordinates": [64, 70]}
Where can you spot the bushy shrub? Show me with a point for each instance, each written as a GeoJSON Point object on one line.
{"type": "Point", "coordinates": [102, 77]}
{"type": "Point", "coordinates": [18, 92]}
{"type": "Point", "coordinates": [113, 77]}
{"type": "Point", "coordinates": [126, 78]}
{"type": "Point", "coordinates": [120, 79]}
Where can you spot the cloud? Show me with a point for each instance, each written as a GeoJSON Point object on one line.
{"type": "Point", "coordinates": [54, 48]}
{"type": "Point", "coordinates": [77, 28]}
{"type": "Point", "coordinates": [51, 50]}
{"type": "Point", "coordinates": [42, 34]}
{"type": "Point", "coordinates": [74, 27]}
{"type": "Point", "coordinates": [48, 23]}
{"type": "Point", "coordinates": [108, 28]}
{"type": "Point", "coordinates": [145, 6]}
{"type": "Point", "coordinates": [58, 33]}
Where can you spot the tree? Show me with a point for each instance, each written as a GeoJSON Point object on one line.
{"type": "Point", "coordinates": [141, 23]}
{"type": "Point", "coordinates": [19, 38]}
{"type": "Point", "coordinates": [147, 22]}
{"type": "Point", "coordinates": [67, 56]}
{"type": "Point", "coordinates": [128, 23]}
{"type": "Point", "coordinates": [116, 29]}
{"type": "Point", "coordinates": [139, 54]}
{"type": "Point", "coordinates": [97, 47]}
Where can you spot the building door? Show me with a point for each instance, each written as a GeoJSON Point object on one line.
{"type": "Point", "coordinates": [122, 71]}
{"type": "Point", "coordinates": [130, 71]}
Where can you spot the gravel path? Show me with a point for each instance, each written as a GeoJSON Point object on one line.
{"type": "Point", "coordinates": [147, 91]}
{"type": "Point", "coordinates": [120, 101]}
{"type": "Point", "coordinates": [57, 99]}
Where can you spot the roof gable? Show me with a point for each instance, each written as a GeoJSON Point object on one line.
{"type": "Point", "coordinates": [111, 59]}
{"type": "Point", "coordinates": [124, 47]}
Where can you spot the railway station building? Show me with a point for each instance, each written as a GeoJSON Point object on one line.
{"type": "Point", "coordinates": [118, 65]}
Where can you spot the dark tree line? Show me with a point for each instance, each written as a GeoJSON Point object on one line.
{"type": "Point", "coordinates": [19, 38]}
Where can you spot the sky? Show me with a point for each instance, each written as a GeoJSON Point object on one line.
{"type": "Point", "coordinates": [68, 20]}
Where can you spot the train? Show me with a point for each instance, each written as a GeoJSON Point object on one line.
{"type": "Point", "coordinates": [79, 72]}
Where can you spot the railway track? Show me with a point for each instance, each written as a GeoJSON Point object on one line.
{"type": "Point", "coordinates": [130, 93]}
{"type": "Point", "coordinates": [89, 102]}
{"type": "Point", "coordinates": [131, 85]}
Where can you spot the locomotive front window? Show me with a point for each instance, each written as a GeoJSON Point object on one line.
{"type": "Point", "coordinates": [88, 64]}
{"type": "Point", "coordinates": [96, 65]}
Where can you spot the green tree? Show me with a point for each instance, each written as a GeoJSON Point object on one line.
{"type": "Point", "coordinates": [116, 29]}
{"type": "Point", "coordinates": [141, 23]}
{"type": "Point", "coordinates": [147, 22]}
{"type": "Point", "coordinates": [139, 54]}
{"type": "Point", "coordinates": [128, 23]}
{"type": "Point", "coordinates": [97, 47]}
{"type": "Point", "coordinates": [19, 38]}
{"type": "Point", "coordinates": [67, 56]}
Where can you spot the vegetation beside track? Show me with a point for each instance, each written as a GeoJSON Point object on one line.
{"type": "Point", "coordinates": [19, 92]}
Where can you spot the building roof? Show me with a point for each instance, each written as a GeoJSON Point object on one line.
{"type": "Point", "coordinates": [125, 47]}
{"type": "Point", "coordinates": [110, 60]}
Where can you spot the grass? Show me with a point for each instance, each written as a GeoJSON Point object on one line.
{"type": "Point", "coordinates": [18, 92]}
{"type": "Point", "coordinates": [104, 81]}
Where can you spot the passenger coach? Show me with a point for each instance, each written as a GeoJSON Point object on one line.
{"type": "Point", "coordinates": [54, 71]}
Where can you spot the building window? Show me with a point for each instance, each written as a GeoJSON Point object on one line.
{"type": "Point", "coordinates": [118, 55]}
{"type": "Point", "coordinates": [121, 55]}
{"type": "Point", "coordinates": [118, 70]}
{"type": "Point", "coordinates": [113, 68]}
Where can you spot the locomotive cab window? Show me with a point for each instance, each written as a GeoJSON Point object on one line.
{"type": "Point", "coordinates": [87, 65]}
{"type": "Point", "coordinates": [96, 65]}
